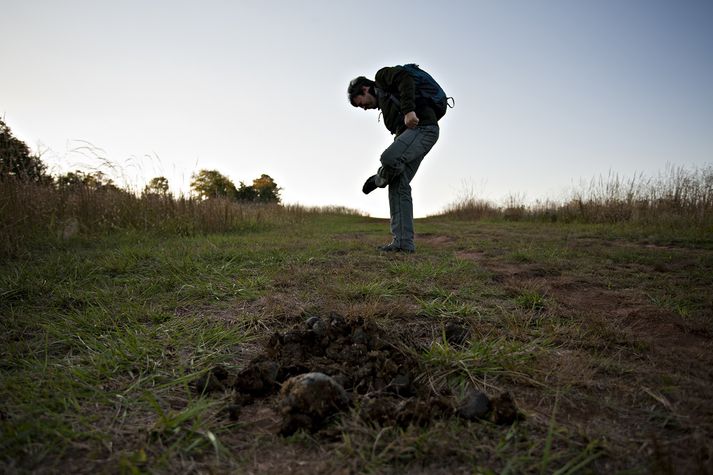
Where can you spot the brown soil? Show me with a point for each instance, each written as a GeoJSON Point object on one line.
{"type": "Point", "coordinates": [649, 344]}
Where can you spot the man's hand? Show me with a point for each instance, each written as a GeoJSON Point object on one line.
{"type": "Point", "coordinates": [411, 120]}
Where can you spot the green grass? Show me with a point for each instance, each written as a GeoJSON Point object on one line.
{"type": "Point", "coordinates": [531, 300]}
{"type": "Point", "coordinates": [482, 358]}
{"type": "Point", "coordinates": [102, 338]}
{"type": "Point", "coordinates": [445, 307]}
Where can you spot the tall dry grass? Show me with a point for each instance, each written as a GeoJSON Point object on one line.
{"type": "Point", "coordinates": [676, 196]}
{"type": "Point", "coordinates": [30, 214]}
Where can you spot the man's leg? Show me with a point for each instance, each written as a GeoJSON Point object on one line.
{"type": "Point", "coordinates": [400, 163]}
{"type": "Point", "coordinates": [401, 211]}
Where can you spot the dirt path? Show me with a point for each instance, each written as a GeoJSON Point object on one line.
{"type": "Point", "coordinates": [637, 374]}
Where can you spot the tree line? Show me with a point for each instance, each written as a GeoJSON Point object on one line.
{"type": "Point", "coordinates": [213, 184]}
{"type": "Point", "coordinates": [18, 163]}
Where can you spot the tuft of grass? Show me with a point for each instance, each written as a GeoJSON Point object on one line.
{"type": "Point", "coordinates": [521, 448]}
{"type": "Point", "coordinates": [370, 290]}
{"type": "Point", "coordinates": [482, 359]}
{"type": "Point", "coordinates": [531, 300]}
{"type": "Point", "coordinates": [446, 307]}
{"type": "Point", "coordinates": [423, 269]}
{"type": "Point", "coordinates": [468, 206]}
{"type": "Point", "coordinates": [183, 431]}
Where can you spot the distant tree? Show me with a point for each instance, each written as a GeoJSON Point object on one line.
{"type": "Point", "coordinates": [157, 186]}
{"type": "Point", "coordinates": [246, 193]}
{"type": "Point", "coordinates": [212, 184]}
{"type": "Point", "coordinates": [73, 179]}
{"type": "Point", "coordinates": [96, 181]}
{"type": "Point", "coordinates": [16, 161]}
{"type": "Point", "coordinates": [266, 189]}
{"type": "Point", "coordinates": [100, 182]}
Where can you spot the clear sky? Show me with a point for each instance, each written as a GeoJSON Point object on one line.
{"type": "Point", "coordinates": [548, 92]}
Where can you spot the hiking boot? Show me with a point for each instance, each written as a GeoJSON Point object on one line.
{"type": "Point", "coordinates": [369, 185]}
{"type": "Point", "coordinates": [391, 247]}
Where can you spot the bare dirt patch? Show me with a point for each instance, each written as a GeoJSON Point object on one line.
{"type": "Point", "coordinates": [640, 373]}
{"type": "Point", "coordinates": [435, 239]}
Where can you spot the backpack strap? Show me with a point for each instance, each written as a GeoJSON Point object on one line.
{"type": "Point", "coordinates": [383, 94]}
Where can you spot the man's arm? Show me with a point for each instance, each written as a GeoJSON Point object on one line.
{"type": "Point", "coordinates": [397, 79]}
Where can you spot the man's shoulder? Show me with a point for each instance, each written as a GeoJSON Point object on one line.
{"type": "Point", "coordinates": [388, 68]}
{"type": "Point", "coordinates": [387, 72]}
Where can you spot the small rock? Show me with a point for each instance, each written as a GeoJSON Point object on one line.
{"type": "Point", "coordinates": [286, 372]}
{"type": "Point", "coordinates": [441, 407]}
{"type": "Point", "coordinates": [295, 345]}
{"type": "Point", "coordinates": [359, 336]}
{"type": "Point", "coordinates": [401, 385]}
{"type": "Point", "coordinates": [413, 411]}
{"type": "Point", "coordinates": [233, 411]}
{"type": "Point", "coordinates": [504, 410]}
{"type": "Point", "coordinates": [378, 410]}
{"type": "Point", "coordinates": [475, 405]}
{"type": "Point", "coordinates": [307, 400]}
{"type": "Point", "coordinates": [243, 400]}
{"type": "Point", "coordinates": [338, 325]}
{"type": "Point", "coordinates": [291, 423]}
{"type": "Point", "coordinates": [311, 321]}
{"type": "Point", "coordinates": [316, 325]}
{"type": "Point", "coordinates": [456, 334]}
{"type": "Point", "coordinates": [259, 378]}
{"type": "Point", "coordinates": [352, 354]}
{"type": "Point", "coordinates": [213, 380]}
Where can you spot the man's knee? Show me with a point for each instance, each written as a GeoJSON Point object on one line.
{"type": "Point", "coordinates": [391, 160]}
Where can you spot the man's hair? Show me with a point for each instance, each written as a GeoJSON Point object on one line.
{"type": "Point", "coordinates": [356, 85]}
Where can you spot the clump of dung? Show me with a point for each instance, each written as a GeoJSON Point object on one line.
{"type": "Point", "coordinates": [328, 365]}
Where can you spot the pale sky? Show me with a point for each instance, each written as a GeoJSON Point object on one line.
{"type": "Point", "coordinates": [548, 92]}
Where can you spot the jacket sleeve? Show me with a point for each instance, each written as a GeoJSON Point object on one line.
{"type": "Point", "coordinates": [397, 80]}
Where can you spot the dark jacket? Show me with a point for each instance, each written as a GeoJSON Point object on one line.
{"type": "Point", "coordinates": [396, 81]}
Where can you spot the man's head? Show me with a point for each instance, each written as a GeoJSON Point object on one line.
{"type": "Point", "coordinates": [361, 93]}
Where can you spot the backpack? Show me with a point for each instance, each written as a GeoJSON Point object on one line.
{"type": "Point", "coordinates": [427, 89]}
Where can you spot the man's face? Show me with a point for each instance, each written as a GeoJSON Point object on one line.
{"type": "Point", "coordinates": [365, 101]}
